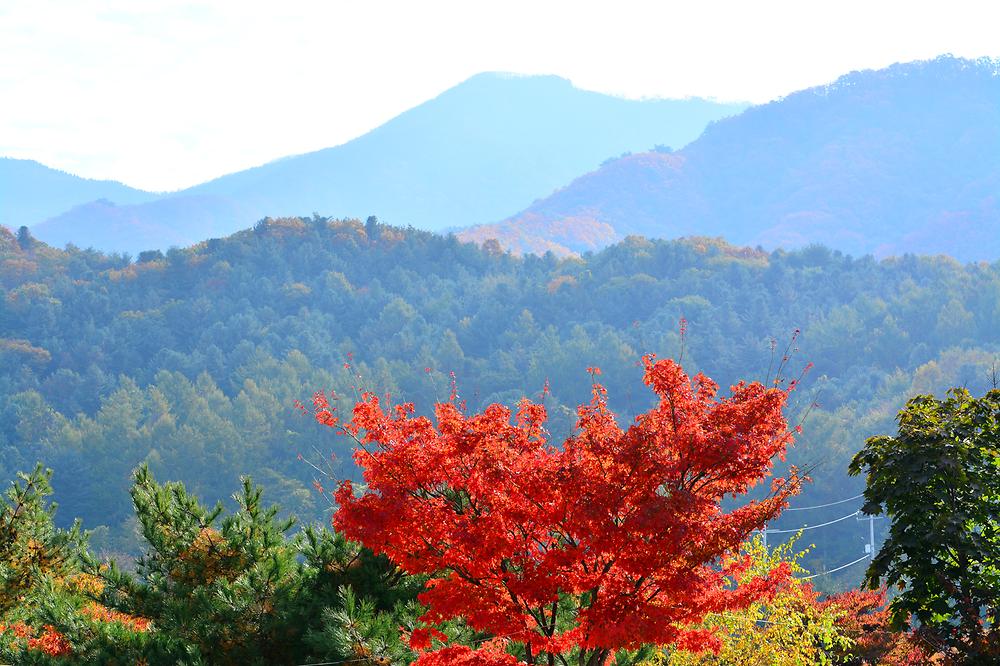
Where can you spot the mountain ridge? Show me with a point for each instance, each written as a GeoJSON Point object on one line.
{"type": "Point", "coordinates": [904, 159]}
{"type": "Point", "coordinates": [477, 152]}
{"type": "Point", "coordinates": [31, 192]}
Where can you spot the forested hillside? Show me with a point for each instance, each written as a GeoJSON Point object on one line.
{"type": "Point", "coordinates": [904, 159]}
{"type": "Point", "coordinates": [476, 153]}
{"type": "Point", "coordinates": [191, 361]}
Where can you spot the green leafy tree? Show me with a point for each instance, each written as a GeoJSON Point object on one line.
{"type": "Point", "coordinates": [938, 481]}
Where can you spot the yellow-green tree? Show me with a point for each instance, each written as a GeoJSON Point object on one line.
{"type": "Point", "coordinates": [789, 629]}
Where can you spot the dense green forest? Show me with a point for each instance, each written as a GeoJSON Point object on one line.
{"type": "Point", "coordinates": [191, 361]}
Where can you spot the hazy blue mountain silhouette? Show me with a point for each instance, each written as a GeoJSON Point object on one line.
{"type": "Point", "coordinates": [904, 159]}
{"type": "Point", "coordinates": [31, 192]}
{"type": "Point", "coordinates": [477, 153]}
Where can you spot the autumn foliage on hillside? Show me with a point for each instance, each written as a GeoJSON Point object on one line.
{"type": "Point", "coordinates": [612, 541]}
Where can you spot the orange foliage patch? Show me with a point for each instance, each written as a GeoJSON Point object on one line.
{"type": "Point", "coordinates": [100, 613]}
{"type": "Point", "coordinates": [559, 281]}
{"type": "Point", "coordinates": [207, 559]}
{"type": "Point", "coordinates": [49, 641]}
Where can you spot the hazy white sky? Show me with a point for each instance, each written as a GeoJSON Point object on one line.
{"type": "Point", "coordinates": [161, 95]}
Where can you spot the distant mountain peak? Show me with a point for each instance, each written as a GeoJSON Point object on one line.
{"type": "Point", "coordinates": [491, 76]}
{"type": "Point", "coordinates": [477, 152]}
{"type": "Point", "coordinates": [903, 159]}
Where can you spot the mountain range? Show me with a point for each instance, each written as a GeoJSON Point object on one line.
{"type": "Point", "coordinates": [885, 162]}
{"type": "Point", "coordinates": [31, 192]}
{"type": "Point", "coordinates": [477, 153]}
{"type": "Point", "coordinates": [900, 160]}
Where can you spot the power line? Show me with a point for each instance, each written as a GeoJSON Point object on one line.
{"type": "Point", "coordinates": [822, 506]}
{"type": "Point", "coordinates": [870, 547]}
{"type": "Point", "coordinates": [813, 527]}
{"type": "Point", "coordinates": [842, 566]}
{"type": "Point", "coordinates": [477, 641]}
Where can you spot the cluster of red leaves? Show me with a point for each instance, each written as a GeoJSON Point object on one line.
{"type": "Point", "coordinates": [461, 655]}
{"type": "Point", "coordinates": [100, 613]}
{"type": "Point", "coordinates": [322, 410]}
{"type": "Point", "coordinates": [627, 524]}
{"type": "Point", "coordinates": [49, 641]}
{"type": "Point", "coordinates": [864, 617]}
{"type": "Point", "coordinates": [19, 629]}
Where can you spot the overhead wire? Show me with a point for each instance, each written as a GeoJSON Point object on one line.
{"type": "Point", "coordinates": [830, 571]}
{"type": "Point", "coordinates": [823, 506]}
{"type": "Point", "coordinates": [829, 522]}
{"type": "Point", "coordinates": [336, 663]}
{"type": "Point", "coordinates": [813, 527]}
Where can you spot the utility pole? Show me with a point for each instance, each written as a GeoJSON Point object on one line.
{"type": "Point", "coordinates": [870, 546]}
{"type": "Point", "coordinates": [871, 536]}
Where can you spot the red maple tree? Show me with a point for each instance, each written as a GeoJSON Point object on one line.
{"type": "Point", "coordinates": [612, 541]}
{"type": "Point", "coordinates": [863, 616]}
